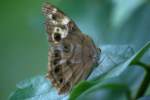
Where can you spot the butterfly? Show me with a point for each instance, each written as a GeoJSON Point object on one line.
{"type": "Point", "coordinates": [71, 54]}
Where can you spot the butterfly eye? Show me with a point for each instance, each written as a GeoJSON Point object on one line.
{"type": "Point", "coordinates": [57, 37]}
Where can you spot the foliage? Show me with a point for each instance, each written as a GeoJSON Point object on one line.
{"type": "Point", "coordinates": [122, 77]}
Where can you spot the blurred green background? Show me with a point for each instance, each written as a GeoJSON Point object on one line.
{"type": "Point", "coordinates": [23, 40]}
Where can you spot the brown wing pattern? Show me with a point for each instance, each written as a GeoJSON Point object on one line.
{"type": "Point", "coordinates": [71, 54]}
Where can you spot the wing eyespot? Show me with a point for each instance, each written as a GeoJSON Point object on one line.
{"type": "Point", "coordinates": [57, 37]}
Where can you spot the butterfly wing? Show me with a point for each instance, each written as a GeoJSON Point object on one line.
{"type": "Point", "coordinates": [72, 54]}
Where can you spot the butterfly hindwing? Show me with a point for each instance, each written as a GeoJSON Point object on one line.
{"type": "Point", "coordinates": [72, 54]}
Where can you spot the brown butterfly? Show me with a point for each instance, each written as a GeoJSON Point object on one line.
{"type": "Point", "coordinates": [71, 54]}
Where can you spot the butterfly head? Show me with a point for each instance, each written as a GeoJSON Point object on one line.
{"type": "Point", "coordinates": [56, 23]}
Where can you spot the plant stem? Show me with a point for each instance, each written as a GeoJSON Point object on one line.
{"type": "Point", "coordinates": [146, 80]}
{"type": "Point", "coordinates": [145, 66]}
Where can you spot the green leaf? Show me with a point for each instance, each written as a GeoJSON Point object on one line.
{"type": "Point", "coordinates": [37, 88]}
{"type": "Point", "coordinates": [145, 98]}
{"type": "Point", "coordinates": [108, 92]}
{"type": "Point", "coordinates": [112, 56]}
{"type": "Point", "coordinates": [121, 67]}
{"type": "Point", "coordinates": [140, 54]}
{"type": "Point", "coordinates": [116, 88]}
{"type": "Point", "coordinates": [83, 86]}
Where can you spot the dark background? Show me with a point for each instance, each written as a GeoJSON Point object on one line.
{"type": "Point", "coordinates": [23, 40]}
